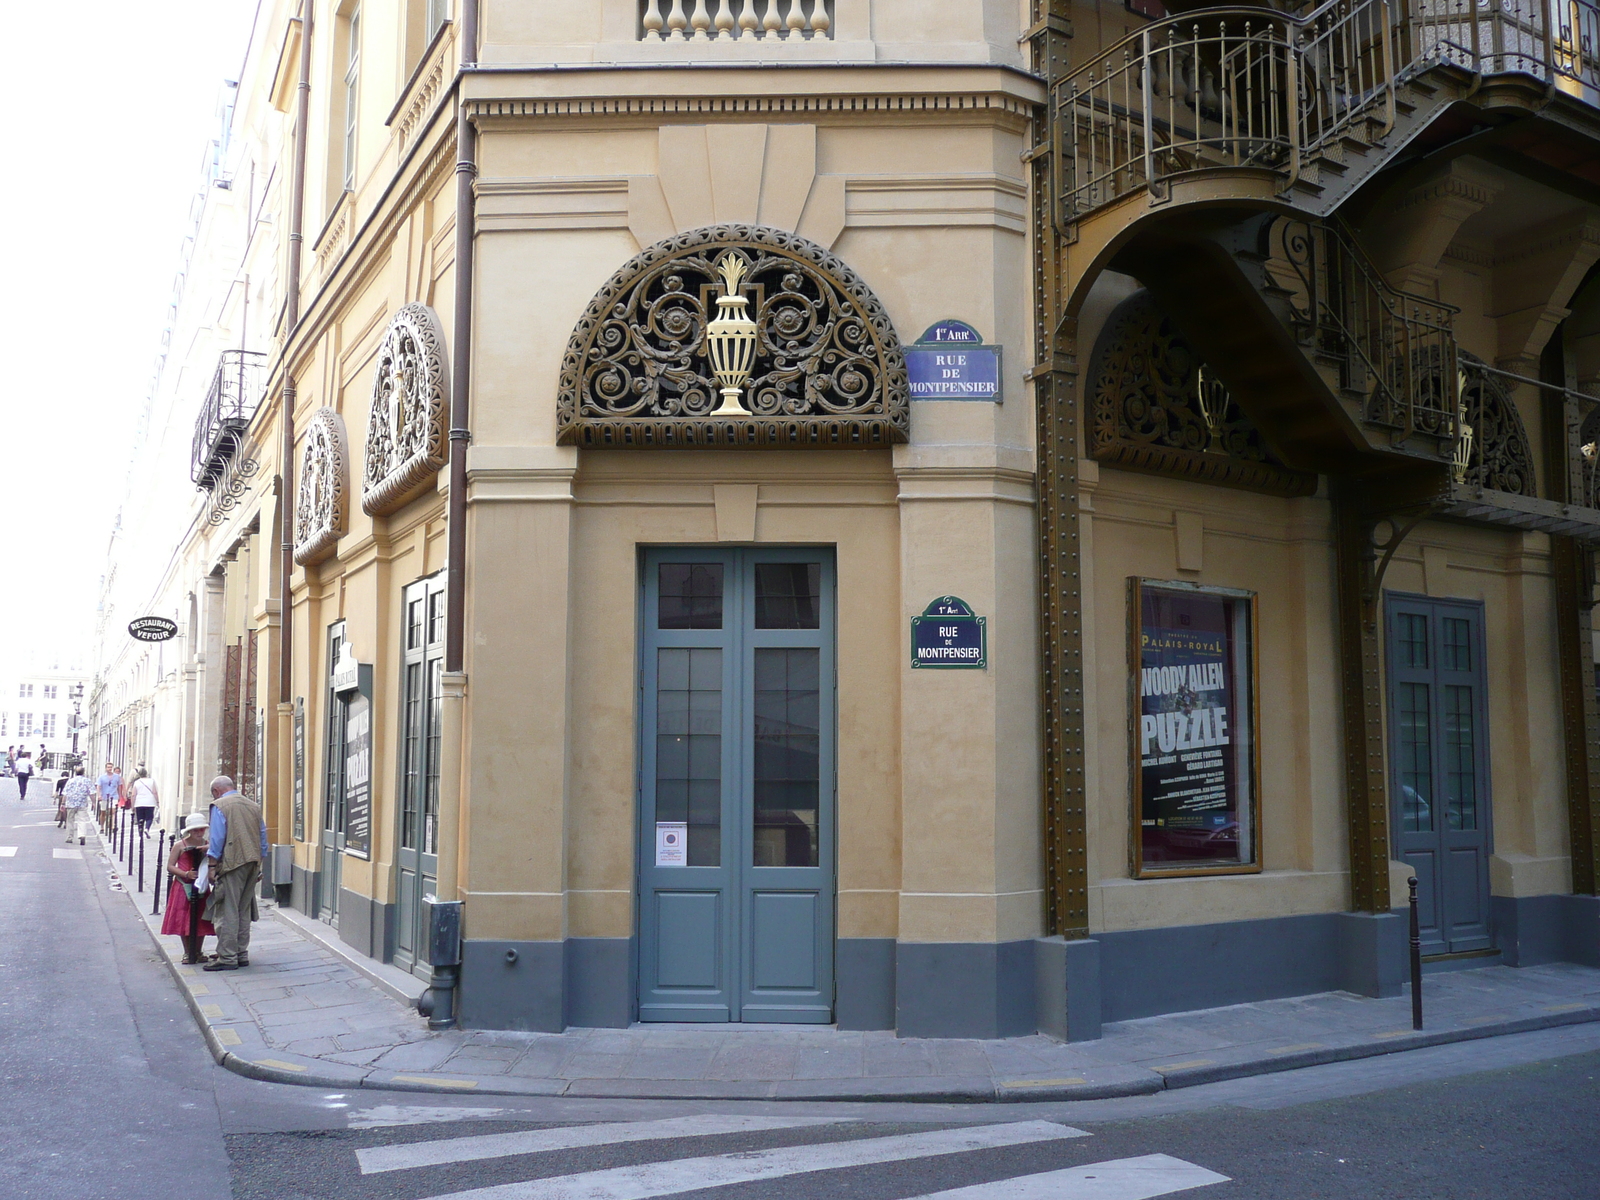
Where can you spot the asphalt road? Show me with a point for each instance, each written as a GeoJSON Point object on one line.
{"type": "Point", "coordinates": [108, 1092]}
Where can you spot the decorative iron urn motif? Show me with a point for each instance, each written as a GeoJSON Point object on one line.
{"type": "Point", "coordinates": [1155, 406]}
{"type": "Point", "coordinates": [799, 353]}
{"type": "Point", "coordinates": [322, 503]}
{"type": "Point", "coordinates": [410, 394]}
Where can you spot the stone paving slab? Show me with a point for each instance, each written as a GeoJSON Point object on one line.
{"type": "Point", "coordinates": [303, 1012]}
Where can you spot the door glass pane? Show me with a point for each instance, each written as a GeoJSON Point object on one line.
{"type": "Point", "coordinates": [1415, 757]}
{"type": "Point", "coordinates": [787, 757]}
{"type": "Point", "coordinates": [1460, 761]}
{"type": "Point", "coordinates": [1456, 648]}
{"type": "Point", "coordinates": [413, 624]}
{"type": "Point", "coordinates": [689, 746]}
{"type": "Point", "coordinates": [430, 790]}
{"type": "Point", "coordinates": [788, 595]}
{"type": "Point", "coordinates": [435, 617]}
{"type": "Point", "coordinates": [1411, 636]}
{"type": "Point", "coordinates": [412, 754]}
{"type": "Point", "coordinates": [691, 596]}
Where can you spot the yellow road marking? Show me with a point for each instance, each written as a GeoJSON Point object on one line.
{"type": "Point", "coordinates": [279, 1063]}
{"type": "Point", "coordinates": [1297, 1049]}
{"type": "Point", "coordinates": [1389, 1033]}
{"type": "Point", "coordinates": [1022, 1083]}
{"type": "Point", "coordinates": [199, 989]}
{"type": "Point", "coordinates": [1564, 1007]}
{"type": "Point", "coordinates": [460, 1083]}
{"type": "Point", "coordinates": [228, 1037]}
{"type": "Point", "coordinates": [1193, 1062]}
{"type": "Point", "coordinates": [211, 1011]}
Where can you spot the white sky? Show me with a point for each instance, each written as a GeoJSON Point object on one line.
{"type": "Point", "coordinates": [111, 108]}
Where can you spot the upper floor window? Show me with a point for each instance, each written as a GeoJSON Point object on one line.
{"type": "Point", "coordinates": [438, 14]}
{"type": "Point", "coordinates": [25, 692]}
{"type": "Point", "coordinates": [24, 724]}
{"type": "Point", "coordinates": [49, 691]}
{"type": "Point", "coordinates": [352, 91]}
{"type": "Point", "coordinates": [48, 729]}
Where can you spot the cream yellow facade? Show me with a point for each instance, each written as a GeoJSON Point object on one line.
{"type": "Point", "coordinates": [985, 866]}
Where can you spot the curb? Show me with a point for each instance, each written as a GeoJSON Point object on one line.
{"type": "Point", "coordinates": [785, 1090]}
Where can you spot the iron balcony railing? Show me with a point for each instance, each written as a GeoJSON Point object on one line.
{"type": "Point", "coordinates": [1254, 88]}
{"type": "Point", "coordinates": [230, 404]}
{"type": "Point", "coordinates": [1395, 350]}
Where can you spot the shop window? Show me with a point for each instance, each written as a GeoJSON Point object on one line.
{"type": "Point", "coordinates": [1195, 761]}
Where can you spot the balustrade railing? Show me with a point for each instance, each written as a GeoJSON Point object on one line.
{"type": "Point", "coordinates": [1394, 349]}
{"type": "Point", "coordinates": [1250, 87]}
{"type": "Point", "coordinates": [229, 406]}
{"type": "Point", "coordinates": [735, 20]}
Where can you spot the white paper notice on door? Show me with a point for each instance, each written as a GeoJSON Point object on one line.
{"type": "Point", "coordinates": [672, 844]}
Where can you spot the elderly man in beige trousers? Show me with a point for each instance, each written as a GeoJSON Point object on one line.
{"type": "Point", "coordinates": [234, 856]}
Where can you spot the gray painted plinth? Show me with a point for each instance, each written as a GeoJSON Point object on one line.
{"type": "Point", "coordinates": [512, 985]}
{"type": "Point", "coordinates": [1067, 988]}
{"type": "Point", "coordinates": [964, 989]}
{"type": "Point", "coordinates": [1531, 930]}
{"type": "Point", "coordinates": [864, 983]}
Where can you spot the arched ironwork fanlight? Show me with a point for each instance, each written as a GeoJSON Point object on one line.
{"type": "Point", "coordinates": [799, 353]}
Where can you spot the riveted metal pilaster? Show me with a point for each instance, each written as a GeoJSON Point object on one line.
{"type": "Point", "coordinates": [1361, 671]}
{"type": "Point", "coordinates": [1572, 569]}
{"type": "Point", "coordinates": [1059, 446]}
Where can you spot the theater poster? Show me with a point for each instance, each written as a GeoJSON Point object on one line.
{"type": "Point", "coordinates": [1194, 731]}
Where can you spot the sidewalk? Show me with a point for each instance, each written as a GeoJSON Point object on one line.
{"type": "Point", "coordinates": [307, 1011]}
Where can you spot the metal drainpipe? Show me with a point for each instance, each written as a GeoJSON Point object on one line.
{"type": "Point", "coordinates": [297, 206]}
{"type": "Point", "coordinates": [438, 1003]}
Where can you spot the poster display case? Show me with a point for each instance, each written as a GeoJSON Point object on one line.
{"type": "Point", "coordinates": [1196, 765]}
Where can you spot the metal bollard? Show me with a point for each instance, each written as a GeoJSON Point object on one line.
{"type": "Point", "coordinates": [161, 882]}
{"type": "Point", "coordinates": [116, 834]}
{"type": "Point", "coordinates": [1416, 958]}
{"type": "Point", "coordinates": [142, 840]}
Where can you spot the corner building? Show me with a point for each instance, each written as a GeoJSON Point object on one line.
{"type": "Point", "coordinates": [949, 517]}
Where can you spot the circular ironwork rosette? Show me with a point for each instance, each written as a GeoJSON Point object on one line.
{"type": "Point", "coordinates": [827, 367]}
{"type": "Point", "coordinates": [322, 504]}
{"type": "Point", "coordinates": [410, 394]}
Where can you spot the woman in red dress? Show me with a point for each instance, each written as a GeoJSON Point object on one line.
{"type": "Point", "coordinates": [183, 907]}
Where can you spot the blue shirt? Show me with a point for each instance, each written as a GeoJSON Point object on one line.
{"type": "Point", "coordinates": [109, 784]}
{"type": "Point", "coordinates": [219, 833]}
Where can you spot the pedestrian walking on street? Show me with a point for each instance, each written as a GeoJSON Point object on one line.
{"type": "Point", "coordinates": [61, 804]}
{"type": "Point", "coordinates": [237, 847]}
{"type": "Point", "coordinates": [142, 791]}
{"type": "Point", "coordinates": [24, 771]}
{"type": "Point", "coordinates": [110, 782]}
{"type": "Point", "coordinates": [11, 761]}
{"type": "Point", "coordinates": [183, 902]}
{"type": "Point", "coordinates": [80, 815]}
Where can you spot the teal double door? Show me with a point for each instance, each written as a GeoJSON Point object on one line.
{"type": "Point", "coordinates": [737, 800]}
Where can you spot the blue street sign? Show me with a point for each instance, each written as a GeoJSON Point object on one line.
{"type": "Point", "coordinates": [949, 635]}
{"type": "Point", "coordinates": [950, 362]}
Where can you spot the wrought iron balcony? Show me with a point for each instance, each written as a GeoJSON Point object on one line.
{"type": "Point", "coordinates": [230, 404]}
{"type": "Point", "coordinates": [1252, 89]}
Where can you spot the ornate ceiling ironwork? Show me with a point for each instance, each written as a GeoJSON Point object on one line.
{"type": "Point", "coordinates": [410, 395]}
{"type": "Point", "coordinates": [827, 369]}
{"type": "Point", "coordinates": [322, 505]}
{"type": "Point", "coordinates": [1154, 406]}
{"type": "Point", "coordinates": [1499, 456]}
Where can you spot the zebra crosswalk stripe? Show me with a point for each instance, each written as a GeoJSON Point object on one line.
{"type": "Point", "coordinates": [650, 1180]}
{"type": "Point", "coordinates": [534, 1141]}
{"type": "Point", "coordinates": [1140, 1178]}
